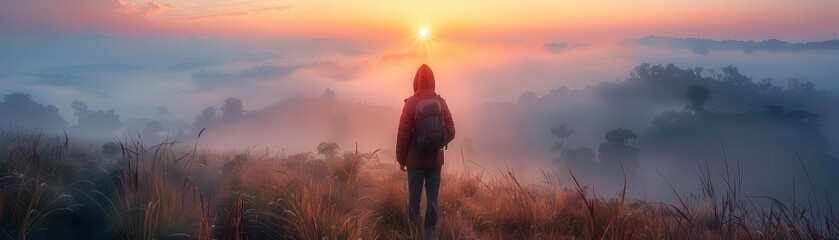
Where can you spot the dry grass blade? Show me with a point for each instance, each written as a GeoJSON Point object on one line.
{"type": "Point", "coordinates": [164, 192]}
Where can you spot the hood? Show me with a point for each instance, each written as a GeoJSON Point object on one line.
{"type": "Point", "coordinates": [424, 78]}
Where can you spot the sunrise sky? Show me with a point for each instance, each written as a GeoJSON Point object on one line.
{"type": "Point", "coordinates": [753, 19]}
{"type": "Point", "coordinates": [134, 55]}
{"type": "Point", "coordinates": [510, 71]}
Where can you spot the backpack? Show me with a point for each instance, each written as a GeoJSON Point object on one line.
{"type": "Point", "coordinates": [429, 126]}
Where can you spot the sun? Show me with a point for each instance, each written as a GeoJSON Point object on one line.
{"type": "Point", "coordinates": [424, 38]}
{"type": "Point", "coordinates": [423, 32]}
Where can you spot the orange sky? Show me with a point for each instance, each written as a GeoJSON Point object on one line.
{"type": "Point", "coordinates": [792, 20]}
{"type": "Point", "coordinates": [491, 44]}
{"type": "Point", "coordinates": [572, 20]}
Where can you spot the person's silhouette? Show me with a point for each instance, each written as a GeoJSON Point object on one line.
{"type": "Point", "coordinates": [425, 127]}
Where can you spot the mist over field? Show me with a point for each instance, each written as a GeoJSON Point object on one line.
{"type": "Point", "coordinates": [765, 105]}
{"type": "Point", "coordinates": [701, 112]}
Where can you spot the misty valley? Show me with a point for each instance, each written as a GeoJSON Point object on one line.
{"type": "Point", "coordinates": [670, 152]}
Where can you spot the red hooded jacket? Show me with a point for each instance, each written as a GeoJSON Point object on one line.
{"type": "Point", "coordinates": [406, 153]}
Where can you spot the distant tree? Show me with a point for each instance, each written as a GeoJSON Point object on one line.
{"type": "Point", "coordinates": [616, 151]}
{"type": "Point", "coordinates": [640, 72]}
{"type": "Point", "coordinates": [697, 70]}
{"type": "Point", "coordinates": [665, 77]}
{"type": "Point", "coordinates": [19, 109]}
{"type": "Point", "coordinates": [765, 85]}
{"type": "Point", "coordinates": [232, 109]}
{"type": "Point", "coordinates": [203, 120]}
{"type": "Point", "coordinates": [328, 149]}
{"type": "Point", "coordinates": [795, 86]}
{"type": "Point", "coordinates": [732, 76]}
{"type": "Point", "coordinates": [619, 136]}
{"type": "Point", "coordinates": [80, 108]}
{"type": "Point", "coordinates": [697, 96]}
{"type": "Point", "coordinates": [95, 123]}
{"type": "Point", "coordinates": [561, 133]}
{"type": "Point", "coordinates": [714, 74]}
{"type": "Point", "coordinates": [528, 97]}
{"type": "Point", "coordinates": [805, 121]}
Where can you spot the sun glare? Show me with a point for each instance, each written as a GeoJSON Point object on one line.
{"type": "Point", "coordinates": [423, 32]}
{"type": "Point", "coordinates": [423, 40]}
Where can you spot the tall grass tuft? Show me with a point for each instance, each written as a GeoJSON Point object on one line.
{"type": "Point", "coordinates": [56, 187]}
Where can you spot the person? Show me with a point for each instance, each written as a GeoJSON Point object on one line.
{"type": "Point", "coordinates": [423, 163]}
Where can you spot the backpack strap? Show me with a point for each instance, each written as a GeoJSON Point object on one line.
{"type": "Point", "coordinates": [444, 102]}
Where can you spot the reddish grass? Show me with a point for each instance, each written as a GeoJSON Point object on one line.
{"type": "Point", "coordinates": [52, 187]}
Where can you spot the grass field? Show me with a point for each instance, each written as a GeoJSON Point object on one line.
{"type": "Point", "coordinates": [54, 187]}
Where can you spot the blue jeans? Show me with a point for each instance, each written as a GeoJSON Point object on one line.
{"type": "Point", "coordinates": [431, 179]}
